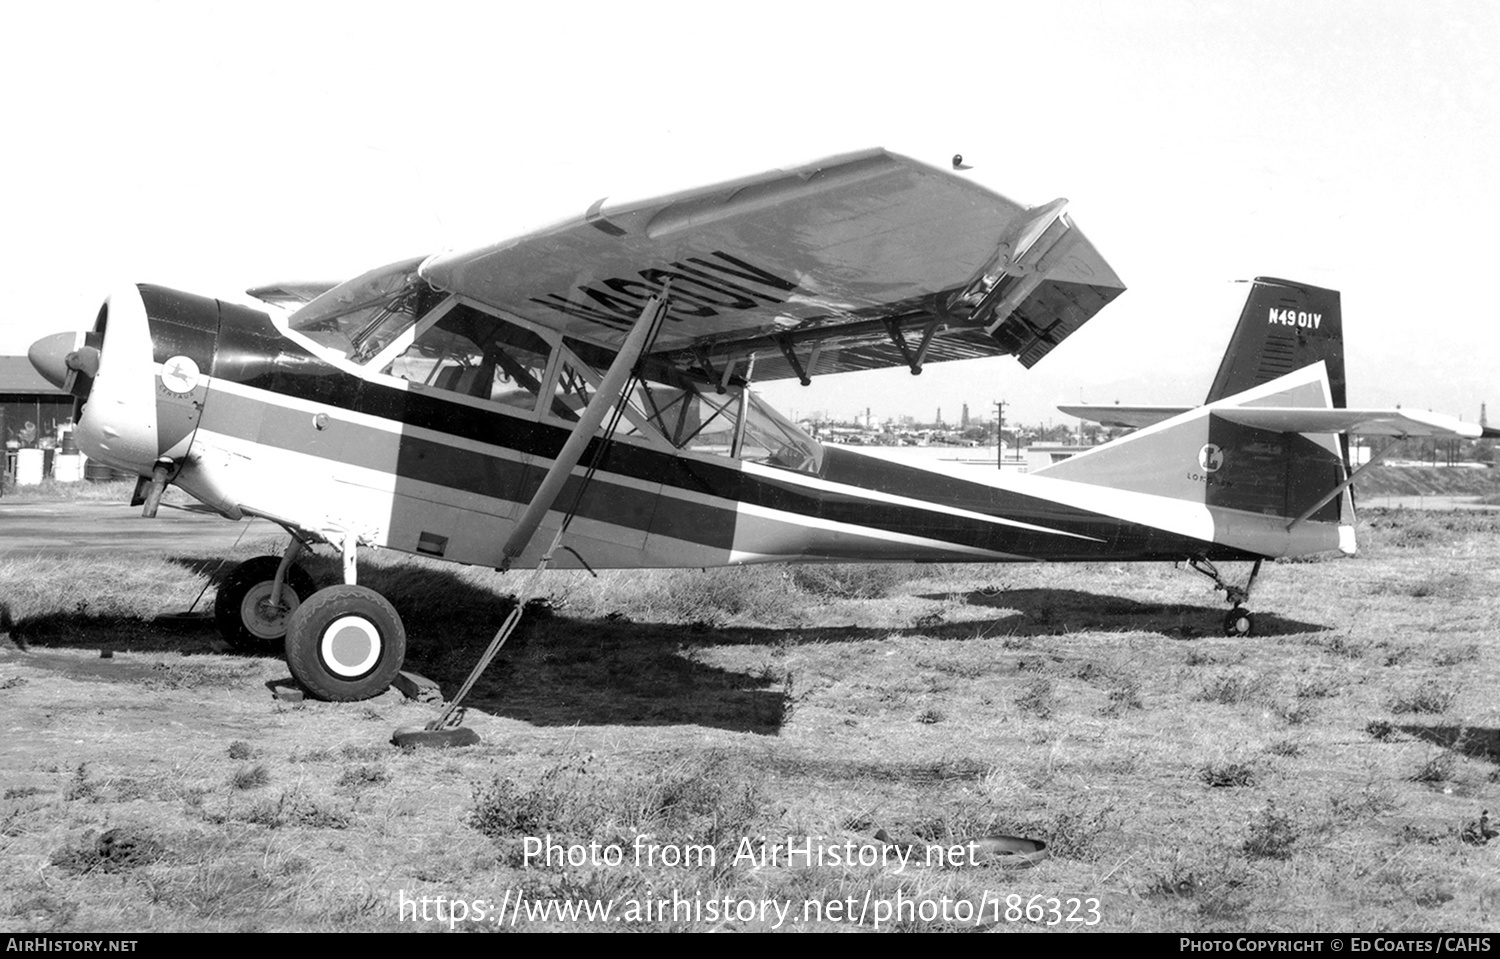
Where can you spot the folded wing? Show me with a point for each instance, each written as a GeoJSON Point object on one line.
{"type": "Point", "coordinates": [857, 262]}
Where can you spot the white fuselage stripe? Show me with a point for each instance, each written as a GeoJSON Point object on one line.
{"type": "Point", "coordinates": [861, 492]}
{"type": "Point", "coordinates": [816, 522]}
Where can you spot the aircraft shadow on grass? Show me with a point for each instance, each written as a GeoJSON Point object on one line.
{"type": "Point", "coordinates": [1476, 742]}
{"type": "Point", "coordinates": [1056, 611]}
{"type": "Point", "coordinates": [558, 670]}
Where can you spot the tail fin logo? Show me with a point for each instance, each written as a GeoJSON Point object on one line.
{"type": "Point", "coordinates": [1210, 458]}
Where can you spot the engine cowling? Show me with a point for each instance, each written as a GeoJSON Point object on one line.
{"type": "Point", "coordinates": [140, 377]}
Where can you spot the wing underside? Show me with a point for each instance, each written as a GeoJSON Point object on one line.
{"type": "Point", "coordinates": [859, 262]}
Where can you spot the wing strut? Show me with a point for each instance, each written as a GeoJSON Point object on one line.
{"type": "Point", "coordinates": [1348, 481]}
{"type": "Point", "coordinates": [893, 330]}
{"type": "Point", "coordinates": [610, 391]}
{"type": "Point", "coordinates": [445, 731]}
{"type": "Point", "coordinates": [791, 357]}
{"type": "Point", "coordinates": [927, 331]}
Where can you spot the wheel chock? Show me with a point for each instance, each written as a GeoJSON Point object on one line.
{"type": "Point", "coordinates": [420, 737]}
{"type": "Point", "coordinates": [417, 687]}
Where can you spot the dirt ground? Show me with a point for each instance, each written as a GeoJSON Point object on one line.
{"type": "Point", "coordinates": [1332, 772]}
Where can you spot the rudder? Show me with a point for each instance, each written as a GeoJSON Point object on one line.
{"type": "Point", "coordinates": [1284, 327]}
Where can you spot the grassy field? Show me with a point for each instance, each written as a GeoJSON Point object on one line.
{"type": "Point", "coordinates": [1429, 481]}
{"type": "Point", "coordinates": [1329, 773]}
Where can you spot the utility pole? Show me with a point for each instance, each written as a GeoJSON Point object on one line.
{"type": "Point", "coordinates": [999, 436]}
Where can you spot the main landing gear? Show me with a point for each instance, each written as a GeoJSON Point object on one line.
{"type": "Point", "coordinates": [1238, 621]}
{"type": "Point", "coordinates": [345, 643]}
{"type": "Point", "coordinates": [342, 643]}
{"type": "Point", "coordinates": [257, 598]}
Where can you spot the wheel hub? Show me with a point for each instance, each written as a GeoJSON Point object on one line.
{"type": "Point", "coordinates": [264, 619]}
{"type": "Point", "coordinates": [350, 646]}
{"type": "Point", "coordinates": [1238, 622]}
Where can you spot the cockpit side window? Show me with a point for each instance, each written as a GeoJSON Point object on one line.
{"type": "Point", "coordinates": [478, 355]}
{"type": "Point", "coordinates": [693, 415]}
{"type": "Point", "coordinates": [774, 440]}
{"type": "Point", "coordinates": [688, 416]}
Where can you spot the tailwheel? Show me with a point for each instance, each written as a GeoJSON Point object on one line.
{"type": "Point", "coordinates": [345, 643]}
{"type": "Point", "coordinates": [1239, 622]}
{"type": "Point", "coordinates": [243, 611]}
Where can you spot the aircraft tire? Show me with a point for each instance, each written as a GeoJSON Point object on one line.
{"type": "Point", "coordinates": [1239, 622]}
{"type": "Point", "coordinates": [240, 611]}
{"type": "Point", "coordinates": [345, 643]}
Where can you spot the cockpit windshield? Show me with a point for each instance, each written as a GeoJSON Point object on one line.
{"type": "Point", "coordinates": [360, 317]}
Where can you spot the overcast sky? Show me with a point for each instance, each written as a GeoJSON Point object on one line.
{"type": "Point", "coordinates": [1350, 145]}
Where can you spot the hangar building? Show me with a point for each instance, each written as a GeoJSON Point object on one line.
{"type": "Point", "coordinates": [32, 411]}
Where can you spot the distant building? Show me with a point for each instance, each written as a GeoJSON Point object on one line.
{"type": "Point", "coordinates": [1041, 455]}
{"type": "Point", "coordinates": [31, 409]}
{"type": "Point", "coordinates": [963, 419]}
{"type": "Point", "coordinates": [32, 412]}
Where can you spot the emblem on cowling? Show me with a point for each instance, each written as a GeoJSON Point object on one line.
{"type": "Point", "coordinates": [179, 374]}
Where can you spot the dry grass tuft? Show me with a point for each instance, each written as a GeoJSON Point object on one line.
{"type": "Point", "coordinates": [114, 850]}
{"type": "Point", "coordinates": [1039, 698]}
{"type": "Point", "coordinates": [852, 580]}
{"type": "Point", "coordinates": [1437, 768]}
{"type": "Point", "coordinates": [1383, 730]}
{"type": "Point", "coordinates": [250, 777]}
{"type": "Point", "coordinates": [1429, 696]}
{"type": "Point", "coordinates": [1232, 689]}
{"type": "Point", "coordinates": [1273, 834]}
{"type": "Point", "coordinates": [1227, 774]}
{"type": "Point", "coordinates": [1457, 656]}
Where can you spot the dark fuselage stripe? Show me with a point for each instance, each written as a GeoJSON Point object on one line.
{"type": "Point", "coordinates": [263, 359]}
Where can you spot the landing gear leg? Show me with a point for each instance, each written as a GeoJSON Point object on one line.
{"type": "Point", "coordinates": [258, 596]}
{"type": "Point", "coordinates": [1238, 621]}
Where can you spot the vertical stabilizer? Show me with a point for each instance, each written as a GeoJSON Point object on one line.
{"type": "Point", "coordinates": [1286, 352]}
{"type": "Point", "coordinates": [1284, 327]}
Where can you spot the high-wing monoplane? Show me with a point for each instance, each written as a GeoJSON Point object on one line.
{"type": "Point", "coordinates": [597, 376]}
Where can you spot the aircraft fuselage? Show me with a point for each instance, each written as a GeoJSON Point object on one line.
{"type": "Point", "coordinates": [258, 421]}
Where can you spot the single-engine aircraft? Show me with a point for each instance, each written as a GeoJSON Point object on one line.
{"type": "Point", "coordinates": [600, 372]}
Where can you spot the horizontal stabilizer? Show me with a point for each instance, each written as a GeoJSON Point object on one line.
{"type": "Point", "coordinates": [1133, 417]}
{"type": "Point", "coordinates": [1371, 422]}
